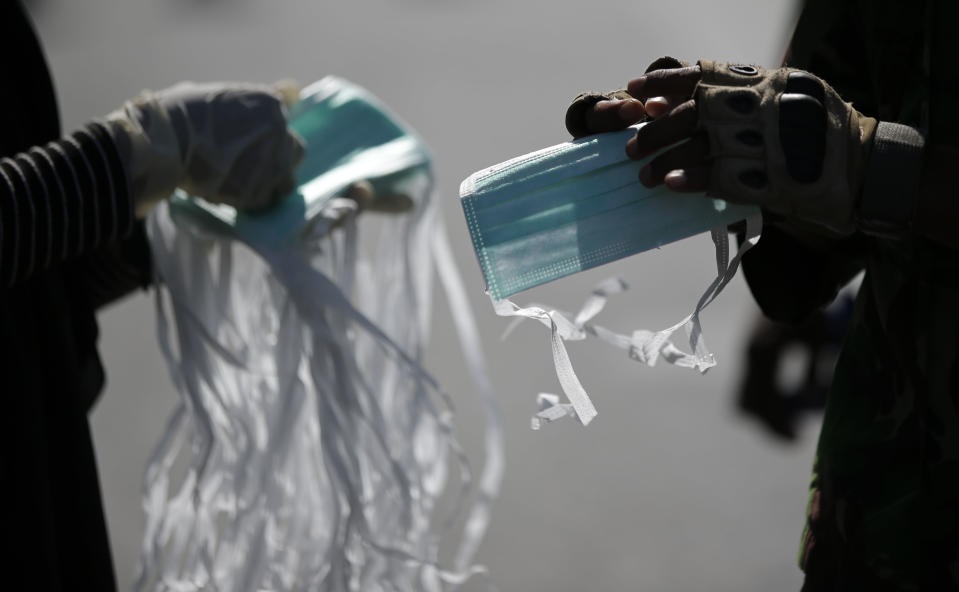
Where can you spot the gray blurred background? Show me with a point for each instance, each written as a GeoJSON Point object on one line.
{"type": "Point", "coordinates": [669, 488]}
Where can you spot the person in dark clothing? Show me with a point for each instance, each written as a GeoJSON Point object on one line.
{"type": "Point", "coordinates": [867, 185]}
{"type": "Point", "coordinates": [71, 241]}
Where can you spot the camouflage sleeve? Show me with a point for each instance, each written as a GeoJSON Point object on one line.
{"type": "Point", "coordinates": [830, 41]}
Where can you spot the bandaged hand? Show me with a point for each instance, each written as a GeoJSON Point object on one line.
{"type": "Point", "coordinates": [227, 143]}
{"type": "Point", "coordinates": [782, 139]}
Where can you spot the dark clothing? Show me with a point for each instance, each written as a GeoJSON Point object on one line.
{"type": "Point", "coordinates": [884, 501]}
{"type": "Point", "coordinates": [60, 201]}
{"type": "Point", "coordinates": [779, 407]}
{"type": "Point", "coordinates": [53, 524]}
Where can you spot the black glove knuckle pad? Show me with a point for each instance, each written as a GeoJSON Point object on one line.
{"type": "Point", "coordinates": [795, 150]}
{"type": "Point", "coordinates": [802, 127]}
{"type": "Point", "coordinates": [805, 83]}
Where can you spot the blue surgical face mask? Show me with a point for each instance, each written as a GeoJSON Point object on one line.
{"type": "Point", "coordinates": [578, 205]}
{"type": "Point", "coordinates": [574, 206]}
{"type": "Point", "coordinates": [351, 136]}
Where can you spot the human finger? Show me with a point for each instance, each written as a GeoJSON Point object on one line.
{"type": "Point", "coordinates": [361, 192]}
{"type": "Point", "coordinates": [656, 107]}
{"type": "Point", "coordinates": [367, 198]}
{"type": "Point", "coordinates": [690, 180]}
{"type": "Point", "coordinates": [391, 203]}
{"type": "Point", "coordinates": [678, 124]}
{"type": "Point", "coordinates": [660, 83]}
{"type": "Point", "coordinates": [687, 155]}
{"type": "Point", "coordinates": [612, 115]}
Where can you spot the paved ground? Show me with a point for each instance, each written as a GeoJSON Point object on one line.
{"type": "Point", "coordinates": [669, 489]}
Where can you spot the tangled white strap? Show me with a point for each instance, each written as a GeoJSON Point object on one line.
{"type": "Point", "coordinates": [644, 346]}
{"type": "Point", "coordinates": [311, 448]}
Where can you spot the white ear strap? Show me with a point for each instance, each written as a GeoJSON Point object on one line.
{"type": "Point", "coordinates": [643, 346]}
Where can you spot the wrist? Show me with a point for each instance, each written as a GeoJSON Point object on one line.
{"type": "Point", "coordinates": [149, 149]}
{"type": "Point", "coordinates": [892, 172]}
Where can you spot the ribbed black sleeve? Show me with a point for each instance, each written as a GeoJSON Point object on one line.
{"type": "Point", "coordinates": [59, 201]}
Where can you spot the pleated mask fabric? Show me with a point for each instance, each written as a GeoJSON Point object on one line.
{"type": "Point", "coordinates": [574, 206]}
{"type": "Point", "coordinates": [577, 205]}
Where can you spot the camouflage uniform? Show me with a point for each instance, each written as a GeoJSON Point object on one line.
{"type": "Point", "coordinates": [884, 502]}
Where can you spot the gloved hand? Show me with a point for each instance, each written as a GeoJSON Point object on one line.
{"type": "Point", "coordinates": [227, 143]}
{"type": "Point", "coordinates": [594, 112]}
{"type": "Point", "coordinates": [782, 139]}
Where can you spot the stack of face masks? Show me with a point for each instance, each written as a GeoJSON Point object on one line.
{"type": "Point", "coordinates": [575, 206]}
{"type": "Point", "coordinates": [310, 447]}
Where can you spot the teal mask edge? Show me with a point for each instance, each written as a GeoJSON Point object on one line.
{"type": "Point", "coordinates": [387, 163]}
{"type": "Point", "coordinates": [722, 213]}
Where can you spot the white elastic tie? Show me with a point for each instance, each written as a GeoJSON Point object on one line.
{"type": "Point", "coordinates": [316, 446]}
{"type": "Point", "coordinates": [561, 328]}
{"type": "Point", "coordinates": [550, 409]}
{"type": "Point", "coordinates": [644, 346]}
{"type": "Point", "coordinates": [492, 475]}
